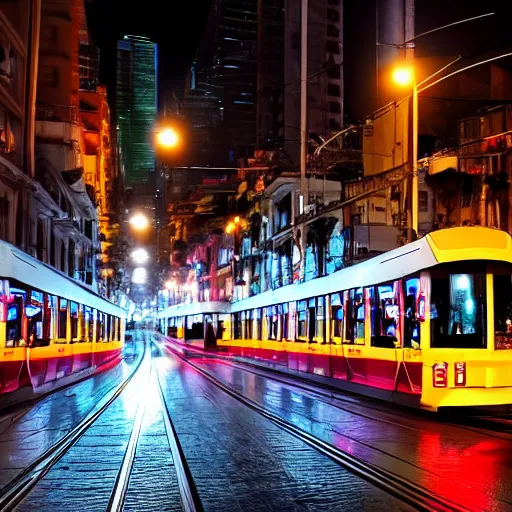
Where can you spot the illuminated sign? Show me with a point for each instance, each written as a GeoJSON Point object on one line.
{"type": "Point", "coordinates": [460, 374]}
{"type": "Point", "coordinates": [440, 375]}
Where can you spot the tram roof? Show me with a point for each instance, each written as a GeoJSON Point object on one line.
{"type": "Point", "coordinates": [15, 264]}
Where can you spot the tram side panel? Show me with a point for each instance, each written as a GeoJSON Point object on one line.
{"type": "Point", "coordinates": [45, 338]}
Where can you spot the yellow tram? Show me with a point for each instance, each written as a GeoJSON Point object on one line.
{"type": "Point", "coordinates": [428, 324]}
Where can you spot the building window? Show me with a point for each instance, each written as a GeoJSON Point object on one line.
{"type": "Point", "coordinates": [333, 90]}
{"type": "Point", "coordinates": [334, 125]}
{"type": "Point", "coordinates": [423, 201]}
{"type": "Point", "coordinates": [48, 76]}
{"type": "Point", "coordinates": [333, 15]}
{"type": "Point", "coordinates": [332, 31]}
{"type": "Point", "coordinates": [332, 46]}
{"type": "Point", "coordinates": [334, 73]}
{"type": "Point", "coordinates": [334, 107]}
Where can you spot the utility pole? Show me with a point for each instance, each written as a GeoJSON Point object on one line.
{"type": "Point", "coordinates": [303, 199]}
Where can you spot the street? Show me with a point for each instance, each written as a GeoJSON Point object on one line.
{"type": "Point", "coordinates": [111, 442]}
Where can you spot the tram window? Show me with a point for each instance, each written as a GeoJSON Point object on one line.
{"type": "Point", "coordinates": [246, 318]}
{"type": "Point", "coordinates": [355, 332]}
{"type": "Point", "coordinates": [319, 331]}
{"type": "Point", "coordinates": [63, 319]}
{"type": "Point", "coordinates": [301, 319]}
{"type": "Point", "coordinates": [285, 325]}
{"type": "Point", "coordinates": [105, 328]}
{"type": "Point", "coordinates": [34, 313]}
{"type": "Point", "coordinates": [349, 334]}
{"type": "Point", "coordinates": [272, 322]}
{"type": "Point", "coordinates": [99, 326]}
{"type": "Point", "coordinates": [502, 312]}
{"type": "Point", "coordinates": [411, 323]}
{"type": "Point", "coordinates": [49, 315]}
{"type": "Point", "coordinates": [337, 315]}
{"type": "Point", "coordinates": [88, 322]}
{"type": "Point", "coordinates": [385, 315]}
{"type": "Point", "coordinates": [13, 325]}
{"type": "Point", "coordinates": [73, 308]}
{"type": "Point", "coordinates": [457, 311]}
{"type": "Point", "coordinates": [237, 326]}
{"type": "Point", "coordinates": [337, 321]}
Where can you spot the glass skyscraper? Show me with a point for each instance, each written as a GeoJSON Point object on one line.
{"type": "Point", "coordinates": [136, 103]}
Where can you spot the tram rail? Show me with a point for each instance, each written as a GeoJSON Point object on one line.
{"type": "Point", "coordinates": [410, 493]}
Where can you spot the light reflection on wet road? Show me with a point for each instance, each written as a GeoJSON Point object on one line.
{"type": "Point", "coordinates": [241, 461]}
{"type": "Point", "coordinates": [53, 417]}
{"type": "Point", "coordinates": [456, 461]}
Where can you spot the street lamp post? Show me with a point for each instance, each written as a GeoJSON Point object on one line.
{"type": "Point", "coordinates": [167, 139]}
{"type": "Point", "coordinates": [406, 75]}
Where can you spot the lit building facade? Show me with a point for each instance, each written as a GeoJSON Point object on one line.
{"type": "Point", "coordinates": [18, 66]}
{"type": "Point", "coordinates": [70, 236]}
{"type": "Point", "coordinates": [136, 107]}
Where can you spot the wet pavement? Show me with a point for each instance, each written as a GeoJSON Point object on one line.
{"type": "Point", "coordinates": [241, 461]}
{"type": "Point", "coordinates": [238, 459]}
{"type": "Point", "coordinates": [471, 467]}
{"type": "Point", "coordinates": [25, 437]}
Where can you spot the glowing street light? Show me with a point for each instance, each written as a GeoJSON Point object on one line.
{"type": "Point", "coordinates": [139, 275]}
{"type": "Point", "coordinates": [170, 285]}
{"type": "Point", "coordinates": [232, 225]}
{"type": "Point", "coordinates": [140, 256]}
{"type": "Point", "coordinates": [168, 138]}
{"type": "Point", "coordinates": [139, 222]}
{"type": "Point", "coordinates": [403, 76]}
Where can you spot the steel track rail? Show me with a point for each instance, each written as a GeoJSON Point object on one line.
{"type": "Point", "coordinates": [21, 485]}
{"type": "Point", "coordinates": [118, 493]}
{"type": "Point", "coordinates": [188, 491]}
{"type": "Point", "coordinates": [405, 490]}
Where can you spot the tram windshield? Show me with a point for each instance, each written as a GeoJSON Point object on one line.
{"type": "Point", "coordinates": [457, 312]}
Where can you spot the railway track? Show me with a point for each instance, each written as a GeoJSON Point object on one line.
{"type": "Point", "coordinates": [493, 426]}
{"type": "Point", "coordinates": [407, 491]}
{"type": "Point", "coordinates": [18, 489]}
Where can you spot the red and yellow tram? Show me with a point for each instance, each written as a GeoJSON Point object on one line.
{"type": "Point", "coordinates": [52, 330]}
{"type": "Point", "coordinates": [428, 324]}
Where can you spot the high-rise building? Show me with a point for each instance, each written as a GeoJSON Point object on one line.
{"type": "Point", "coordinates": [270, 83]}
{"type": "Point", "coordinates": [325, 76]}
{"type": "Point", "coordinates": [136, 103]}
{"type": "Point", "coordinates": [226, 68]}
{"type": "Point", "coordinates": [88, 55]}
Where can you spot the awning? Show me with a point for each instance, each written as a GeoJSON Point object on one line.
{"type": "Point", "coordinates": [443, 163]}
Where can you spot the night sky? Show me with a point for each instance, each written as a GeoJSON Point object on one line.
{"type": "Point", "coordinates": [175, 25]}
